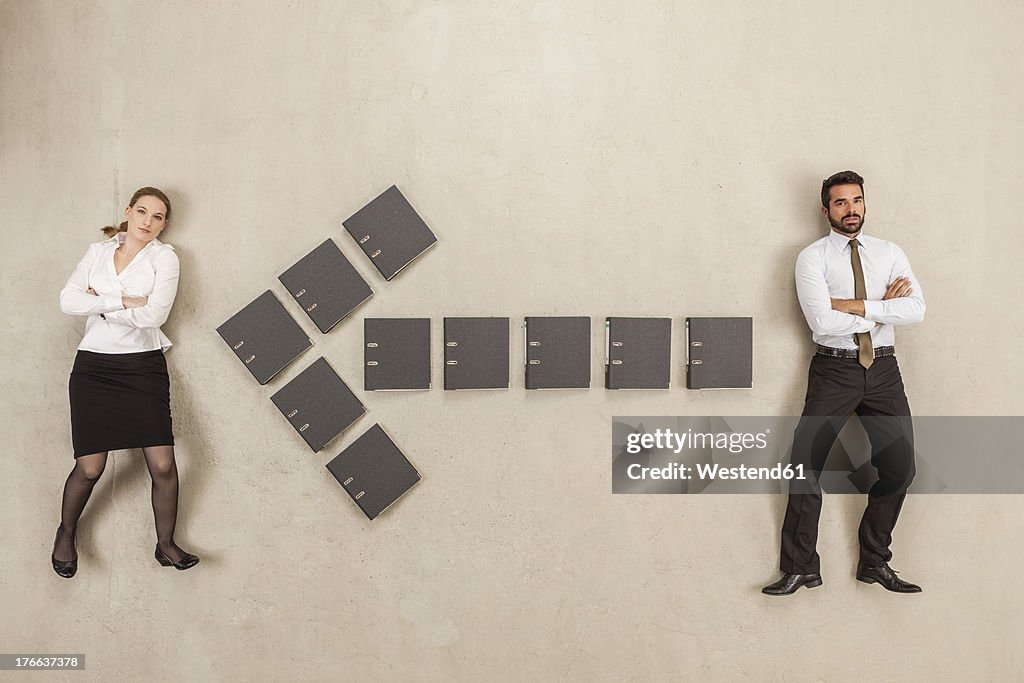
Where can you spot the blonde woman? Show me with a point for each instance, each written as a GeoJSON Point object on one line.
{"type": "Point", "coordinates": [119, 388]}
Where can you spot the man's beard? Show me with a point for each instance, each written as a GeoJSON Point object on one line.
{"type": "Point", "coordinates": [847, 228]}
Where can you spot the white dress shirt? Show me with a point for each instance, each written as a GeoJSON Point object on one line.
{"type": "Point", "coordinates": [824, 272]}
{"type": "Point", "coordinates": [110, 327]}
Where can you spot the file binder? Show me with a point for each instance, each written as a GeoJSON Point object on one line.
{"type": "Point", "coordinates": [476, 353]}
{"type": "Point", "coordinates": [396, 353]}
{"type": "Point", "coordinates": [373, 471]}
{"type": "Point", "coordinates": [264, 337]}
{"type": "Point", "coordinates": [318, 404]}
{"type": "Point", "coordinates": [638, 353]}
{"type": "Point", "coordinates": [557, 353]}
{"type": "Point", "coordinates": [390, 232]}
{"type": "Point", "coordinates": [719, 353]}
{"type": "Point", "coordinates": [326, 285]}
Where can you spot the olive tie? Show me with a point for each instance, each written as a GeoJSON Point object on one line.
{"type": "Point", "coordinates": [865, 353]}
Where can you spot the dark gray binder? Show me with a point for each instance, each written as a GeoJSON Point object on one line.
{"type": "Point", "coordinates": [373, 471]}
{"type": "Point", "coordinates": [264, 337]}
{"type": "Point", "coordinates": [558, 353]}
{"type": "Point", "coordinates": [396, 353]}
{"type": "Point", "coordinates": [326, 285]}
{"type": "Point", "coordinates": [719, 353]}
{"type": "Point", "coordinates": [390, 231]}
{"type": "Point", "coordinates": [638, 353]}
{"type": "Point", "coordinates": [476, 353]}
{"type": "Point", "coordinates": [318, 404]}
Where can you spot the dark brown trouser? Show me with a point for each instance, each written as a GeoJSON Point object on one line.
{"type": "Point", "coordinates": [836, 389]}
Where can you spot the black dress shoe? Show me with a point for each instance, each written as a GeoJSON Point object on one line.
{"type": "Point", "coordinates": [789, 583]}
{"type": "Point", "coordinates": [184, 563]}
{"type": "Point", "coordinates": [886, 576]}
{"type": "Point", "coordinates": [65, 569]}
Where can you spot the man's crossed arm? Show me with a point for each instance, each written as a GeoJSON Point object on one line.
{"type": "Point", "coordinates": [900, 287]}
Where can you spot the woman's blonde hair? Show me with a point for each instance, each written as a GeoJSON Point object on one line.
{"type": "Point", "coordinates": [110, 230]}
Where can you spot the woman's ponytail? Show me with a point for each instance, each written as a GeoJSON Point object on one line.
{"type": "Point", "coordinates": [110, 230]}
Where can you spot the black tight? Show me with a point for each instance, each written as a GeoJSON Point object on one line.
{"type": "Point", "coordinates": [77, 490]}
{"type": "Point", "coordinates": [164, 472]}
{"type": "Point", "coordinates": [87, 471]}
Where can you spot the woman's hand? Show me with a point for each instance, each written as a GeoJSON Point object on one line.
{"type": "Point", "coordinates": [133, 301]}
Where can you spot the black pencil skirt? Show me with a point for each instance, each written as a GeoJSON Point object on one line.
{"type": "Point", "coordinates": [119, 401]}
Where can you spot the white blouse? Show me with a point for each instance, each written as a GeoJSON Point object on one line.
{"type": "Point", "coordinates": [111, 328]}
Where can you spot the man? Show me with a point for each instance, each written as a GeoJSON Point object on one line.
{"type": "Point", "coordinates": [853, 289]}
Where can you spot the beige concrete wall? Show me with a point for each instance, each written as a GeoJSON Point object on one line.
{"type": "Point", "coordinates": [589, 158]}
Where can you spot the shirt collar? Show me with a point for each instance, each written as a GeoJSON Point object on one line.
{"type": "Point", "coordinates": [841, 242]}
{"type": "Point", "coordinates": [118, 239]}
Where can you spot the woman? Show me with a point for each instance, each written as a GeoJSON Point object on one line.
{"type": "Point", "coordinates": [119, 389]}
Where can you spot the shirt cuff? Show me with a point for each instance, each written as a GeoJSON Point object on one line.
{"type": "Point", "coordinates": [873, 310]}
{"type": "Point", "coordinates": [864, 325]}
{"type": "Point", "coordinates": [111, 302]}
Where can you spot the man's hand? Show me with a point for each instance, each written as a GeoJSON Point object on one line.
{"type": "Point", "coordinates": [900, 287]}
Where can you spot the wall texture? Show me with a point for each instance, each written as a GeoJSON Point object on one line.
{"type": "Point", "coordinates": [590, 158]}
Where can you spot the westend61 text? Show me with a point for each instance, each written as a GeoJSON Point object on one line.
{"type": "Point", "coordinates": [708, 472]}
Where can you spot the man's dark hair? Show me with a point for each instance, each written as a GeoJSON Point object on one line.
{"type": "Point", "coordinates": [841, 178]}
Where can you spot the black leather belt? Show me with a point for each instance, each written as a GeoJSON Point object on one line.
{"type": "Point", "coordinates": [880, 351]}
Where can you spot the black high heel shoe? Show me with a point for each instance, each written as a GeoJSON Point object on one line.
{"type": "Point", "coordinates": [65, 569]}
{"type": "Point", "coordinates": [184, 563]}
